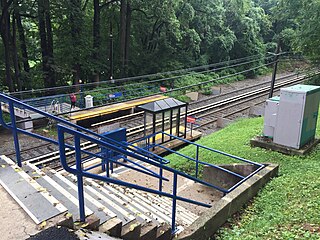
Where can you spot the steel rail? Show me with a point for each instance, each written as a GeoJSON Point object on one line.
{"type": "Point", "coordinates": [138, 129]}
{"type": "Point", "coordinates": [205, 108]}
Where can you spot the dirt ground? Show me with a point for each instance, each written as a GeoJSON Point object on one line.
{"type": "Point", "coordinates": [15, 223]}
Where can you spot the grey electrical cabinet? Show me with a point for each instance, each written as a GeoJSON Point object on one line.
{"type": "Point", "coordinates": [297, 115]}
{"type": "Point", "coordinates": [270, 116]}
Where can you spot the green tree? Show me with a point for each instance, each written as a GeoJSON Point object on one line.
{"type": "Point", "coordinates": [306, 34]}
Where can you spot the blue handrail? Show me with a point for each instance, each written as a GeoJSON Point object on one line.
{"type": "Point", "coordinates": [124, 148]}
{"type": "Point", "coordinates": [198, 161]}
{"type": "Point", "coordinates": [80, 172]}
{"type": "Point", "coordinates": [13, 127]}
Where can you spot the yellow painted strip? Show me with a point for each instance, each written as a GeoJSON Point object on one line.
{"type": "Point", "coordinates": [159, 135]}
{"type": "Point", "coordinates": [119, 107]}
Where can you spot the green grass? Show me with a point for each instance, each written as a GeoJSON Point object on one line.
{"type": "Point", "coordinates": [288, 207]}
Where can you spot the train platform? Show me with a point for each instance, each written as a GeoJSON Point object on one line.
{"type": "Point", "coordinates": [171, 144]}
{"type": "Point", "coordinates": [106, 110]}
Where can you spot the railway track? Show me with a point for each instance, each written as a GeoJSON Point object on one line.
{"type": "Point", "coordinates": [208, 110]}
{"type": "Point", "coordinates": [239, 104]}
{"type": "Point", "coordinates": [214, 108]}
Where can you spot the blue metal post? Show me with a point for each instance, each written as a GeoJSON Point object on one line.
{"type": "Point", "coordinates": [15, 133]}
{"type": "Point", "coordinates": [197, 161]}
{"type": "Point", "coordinates": [148, 147]}
{"type": "Point", "coordinates": [103, 166]}
{"type": "Point", "coordinates": [163, 120]}
{"type": "Point", "coordinates": [160, 173]}
{"type": "Point", "coordinates": [107, 165]}
{"type": "Point", "coordinates": [171, 119]}
{"type": "Point", "coordinates": [174, 202]}
{"type": "Point", "coordinates": [111, 165]}
{"type": "Point", "coordinates": [79, 178]}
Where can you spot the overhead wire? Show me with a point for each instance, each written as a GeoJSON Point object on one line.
{"type": "Point", "coordinates": [175, 77]}
{"type": "Point", "coordinates": [185, 87]}
{"type": "Point", "coordinates": [138, 77]}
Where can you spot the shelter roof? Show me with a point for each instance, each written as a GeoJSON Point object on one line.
{"type": "Point", "coordinates": [162, 105]}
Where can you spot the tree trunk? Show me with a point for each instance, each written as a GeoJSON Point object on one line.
{"type": "Point", "coordinates": [14, 54]}
{"type": "Point", "coordinates": [127, 39]}
{"type": "Point", "coordinates": [76, 23]}
{"type": "Point", "coordinates": [123, 22]}
{"type": "Point", "coordinates": [5, 35]}
{"type": "Point", "coordinates": [111, 52]}
{"type": "Point", "coordinates": [24, 78]}
{"type": "Point", "coordinates": [52, 73]}
{"type": "Point", "coordinates": [46, 38]}
{"type": "Point", "coordinates": [96, 37]}
{"type": "Point", "coordinates": [23, 45]}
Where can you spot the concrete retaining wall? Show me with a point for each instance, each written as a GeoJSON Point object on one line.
{"type": "Point", "coordinates": [209, 222]}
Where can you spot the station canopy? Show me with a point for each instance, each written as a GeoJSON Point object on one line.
{"type": "Point", "coordinates": [162, 105]}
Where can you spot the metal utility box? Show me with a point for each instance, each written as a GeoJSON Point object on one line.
{"type": "Point", "coordinates": [270, 116]}
{"type": "Point", "coordinates": [118, 135]}
{"type": "Point", "coordinates": [88, 101]}
{"type": "Point", "coordinates": [297, 115]}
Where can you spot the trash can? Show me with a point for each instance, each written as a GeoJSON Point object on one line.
{"type": "Point", "coordinates": [88, 101]}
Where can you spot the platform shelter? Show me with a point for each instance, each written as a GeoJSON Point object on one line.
{"type": "Point", "coordinates": [165, 115]}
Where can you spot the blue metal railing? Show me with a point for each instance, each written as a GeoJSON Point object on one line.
{"type": "Point", "coordinates": [130, 150]}
{"type": "Point", "coordinates": [151, 145]}
{"type": "Point", "coordinates": [81, 173]}
{"type": "Point", "coordinates": [12, 102]}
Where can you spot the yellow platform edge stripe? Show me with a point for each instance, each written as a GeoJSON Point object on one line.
{"type": "Point", "coordinates": [126, 106]}
{"type": "Point", "coordinates": [159, 135]}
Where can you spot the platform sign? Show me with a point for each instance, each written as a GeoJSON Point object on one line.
{"type": "Point", "coordinates": [191, 120]}
{"type": "Point", "coordinates": [115, 95]}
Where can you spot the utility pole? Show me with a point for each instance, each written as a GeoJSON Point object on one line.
{"type": "Point", "coordinates": [111, 53]}
{"type": "Point", "coordinates": [275, 68]}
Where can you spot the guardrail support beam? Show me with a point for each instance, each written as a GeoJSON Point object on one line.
{"type": "Point", "coordinates": [15, 133]}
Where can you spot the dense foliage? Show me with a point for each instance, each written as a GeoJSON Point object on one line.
{"type": "Point", "coordinates": [49, 43]}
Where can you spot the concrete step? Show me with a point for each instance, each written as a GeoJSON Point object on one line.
{"type": "Point", "coordinates": [149, 231]}
{"type": "Point", "coordinates": [151, 211]}
{"type": "Point", "coordinates": [160, 208]}
{"type": "Point", "coordinates": [62, 193]}
{"type": "Point", "coordinates": [29, 194]}
{"type": "Point", "coordinates": [164, 232]}
{"type": "Point", "coordinates": [131, 231]}
{"type": "Point", "coordinates": [84, 234]}
{"type": "Point", "coordinates": [122, 212]}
